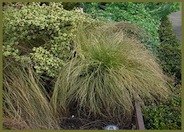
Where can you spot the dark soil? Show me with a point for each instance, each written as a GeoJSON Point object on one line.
{"type": "Point", "coordinates": [74, 123]}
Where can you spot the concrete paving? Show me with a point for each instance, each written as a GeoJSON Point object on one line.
{"type": "Point", "coordinates": [176, 19]}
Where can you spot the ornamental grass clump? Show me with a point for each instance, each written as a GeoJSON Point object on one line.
{"type": "Point", "coordinates": [25, 102]}
{"type": "Point", "coordinates": [109, 72]}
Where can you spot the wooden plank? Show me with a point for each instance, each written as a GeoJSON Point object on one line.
{"type": "Point", "coordinates": [139, 117]}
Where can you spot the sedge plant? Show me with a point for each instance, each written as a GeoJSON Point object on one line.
{"type": "Point", "coordinates": [108, 73]}
{"type": "Point", "coordinates": [25, 101]}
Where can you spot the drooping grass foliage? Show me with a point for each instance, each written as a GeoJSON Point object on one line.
{"type": "Point", "coordinates": [25, 102]}
{"type": "Point", "coordinates": [107, 74]}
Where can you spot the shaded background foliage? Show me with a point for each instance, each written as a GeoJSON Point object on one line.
{"type": "Point", "coordinates": [145, 15]}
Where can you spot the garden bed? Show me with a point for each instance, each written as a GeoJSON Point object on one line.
{"type": "Point", "coordinates": [83, 73]}
{"type": "Point", "coordinates": [74, 123]}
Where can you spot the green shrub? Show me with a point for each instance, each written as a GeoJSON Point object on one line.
{"type": "Point", "coordinates": [41, 34]}
{"type": "Point", "coordinates": [169, 51]}
{"type": "Point", "coordinates": [166, 115]}
{"type": "Point", "coordinates": [162, 117]}
{"type": "Point", "coordinates": [25, 101]}
{"type": "Point", "coordinates": [109, 72]}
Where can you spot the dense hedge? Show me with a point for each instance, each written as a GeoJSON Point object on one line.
{"type": "Point", "coordinates": [166, 115]}
{"type": "Point", "coordinates": [169, 51]}
{"type": "Point", "coordinates": [41, 34]}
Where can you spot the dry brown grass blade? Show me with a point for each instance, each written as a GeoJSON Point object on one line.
{"type": "Point", "coordinates": [24, 98]}
{"type": "Point", "coordinates": [110, 71]}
